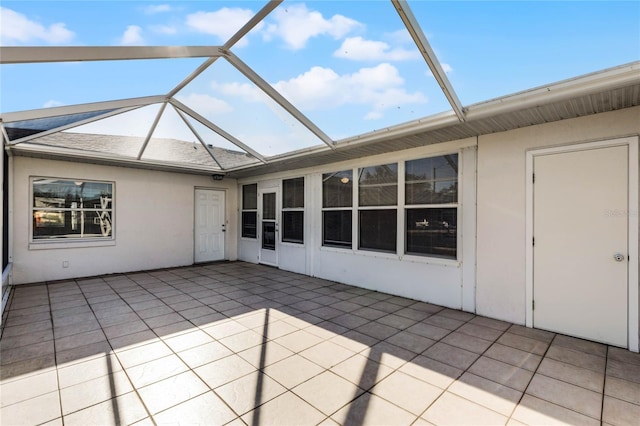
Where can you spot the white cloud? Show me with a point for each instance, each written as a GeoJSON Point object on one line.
{"type": "Point", "coordinates": [359, 49]}
{"type": "Point", "coordinates": [206, 105]}
{"type": "Point", "coordinates": [164, 29]}
{"type": "Point", "coordinates": [132, 36]}
{"type": "Point", "coordinates": [379, 87]}
{"type": "Point", "coordinates": [296, 24]}
{"type": "Point", "coordinates": [52, 103]}
{"type": "Point", "coordinates": [222, 23]}
{"type": "Point", "coordinates": [17, 28]}
{"type": "Point", "coordinates": [246, 91]}
{"type": "Point", "coordinates": [448, 69]}
{"type": "Point", "coordinates": [157, 8]}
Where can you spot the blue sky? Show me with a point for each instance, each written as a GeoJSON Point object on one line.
{"type": "Point", "coordinates": [350, 66]}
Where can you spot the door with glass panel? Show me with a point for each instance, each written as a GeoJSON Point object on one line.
{"type": "Point", "coordinates": [269, 226]}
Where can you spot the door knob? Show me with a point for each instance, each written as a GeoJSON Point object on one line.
{"type": "Point", "coordinates": [618, 257]}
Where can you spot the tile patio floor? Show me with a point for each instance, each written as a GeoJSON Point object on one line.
{"type": "Point", "coordinates": [236, 343]}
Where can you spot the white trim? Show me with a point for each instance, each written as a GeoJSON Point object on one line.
{"type": "Point", "coordinates": [633, 228]}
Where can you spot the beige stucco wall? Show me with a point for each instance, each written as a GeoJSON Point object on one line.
{"type": "Point", "coordinates": [153, 221]}
{"type": "Point", "coordinates": [500, 291]}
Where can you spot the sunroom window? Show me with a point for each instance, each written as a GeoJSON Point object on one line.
{"type": "Point", "coordinates": [377, 207]}
{"type": "Point", "coordinates": [71, 209]}
{"type": "Point", "coordinates": [293, 210]}
{"type": "Point", "coordinates": [431, 206]}
{"type": "Point", "coordinates": [337, 202]}
{"type": "Point", "coordinates": [249, 211]}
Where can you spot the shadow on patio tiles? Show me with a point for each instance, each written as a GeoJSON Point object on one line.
{"type": "Point", "coordinates": [302, 350]}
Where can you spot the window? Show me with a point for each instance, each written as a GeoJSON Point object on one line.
{"type": "Point", "coordinates": [431, 201]}
{"type": "Point", "coordinates": [72, 209]}
{"type": "Point", "coordinates": [377, 206]}
{"type": "Point", "coordinates": [250, 211]}
{"type": "Point", "coordinates": [337, 201]}
{"type": "Point", "coordinates": [293, 210]}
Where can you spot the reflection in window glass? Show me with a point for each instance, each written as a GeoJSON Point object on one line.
{"type": "Point", "coordinates": [249, 211]}
{"type": "Point", "coordinates": [432, 180]}
{"type": "Point", "coordinates": [293, 210]}
{"type": "Point", "coordinates": [66, 209]}
{"type": "Point", "coordinates": [432, 231]}
{"type": "Point", "coordinates": [378, 230]}
{"type": "Point", "coordinates": [378, 186]}
{"type": "Point", "coordinates": [337, 189]}
{"type": "Point", "coordinates": [336, 228]}
{"type": "Point", "coordinates": [269, 206]}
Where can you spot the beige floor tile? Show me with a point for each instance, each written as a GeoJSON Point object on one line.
{"type": "Point", "coordinates": [125, 409]}
{"type": "Point", "coordinates": [83, 353]}
{"type": "Point", "coordinates": [566, 395]}
{"type": "Point", "coordinates": [94, 391]}
{"type": "Point", "coordinates": [354, 341]}
{"type": "Point", "coordinates": [623, 355]}
{"type": "Point", "coordinates": [204, 354]}
{"type": "Point", "coordinates": [241, 341]}
{"type": "Point", "coordinates": [582, 345]}
{"type": "Point", "coordinates": [535, 411]}
{"type": "Point", "coordinates": [37, 350]}
{"type": "Point", "coordinates": [90, 369]}
{"type": "Point", "coordinates": [141, 354]}
{"type": "Point", "coordinates": [156, 370]}
{"type": "Point", "coordinates": [469, 343]}
{"type": "Point", "coordinates": [387, 354]}
{"type": "Point", "coordinates": [523, 343]}
{"type": "Point", "coordinates": [120, 330]}
{"type": "Point", "coordinates": [188, 340]}
{"type": "Point", "coordinates": [623, 370]}
{"type": "Point", "coordinates": [456, 357]}
{"type": "Point", "coordinates": [443, 322]}
{"type": "Point", "coordinates": [491, 323]}
{"type": "Point", "coordinates": [407, 392]}
{"type": "Point", "coordinates": [299, 340]}
{"type": "Point", "coordinates": [224, 329]}
{"type": "Point", "coordinates": [431, 371]}
{"type": "Point", "coordinates": [577, 358]}
{"type": "Point", "coordinates": [622, 389]}
{"type": "Point", "coordinates": [26, 329]}
{"type": "Point", "coordinates": [172, 391]}
{"type": "Point", "coordinates": [208, 407]}
{"type": "Point", "coordinates": [130, 341]}
{"type": "Point", "coordinates": [397, 321]}
{"type": "Point", "coordinates": [428, 330]}
{"type": "Point", "coordinates": [532, 333]}
{"type": "Point", "coordinates": [285, 410]}
{"type": "Point", "coordinates": [327, 392]}
{"type": "Point", "coordinates": [514, 356]}
{"type": "Point", "coordinates": [265, 354]}
{"type": "Point", "coordinates": [410, 341]}
{"type": "Point", "coordinates": [487, 393]}
{"type": "Point", "coordinates": [451, 409]}
{"type": "Point", "coordinates": [620, 413]}
{"type": "Point", "coordinates": [482, 332]}
{"type": "Point", "coordinates": [27, 339]}
{"type": "Point", "coordinates": [362, 371]}
{"type": "Point", "coordinates": [505, 374]}
{"type": "Point", "coordinates": [587, 379]}
{"type": "Point", "coordinates": [377, 330]}
{"type": "Point", "coordinates": [327, 354]}
{"type": "Point", "coordinates": [32, 411]}
{"type": "Point", "coordinates": [275, 329]}
{"type": "Point", "coordinates": [371, 410]}
{"type": "Point", "coordinates": [223, 371]}
{"type": "Point", "coordinates": [27, 367]}
{"type": "Point", "coordinates": [292, 371]}
{"type": "Point", "coordinates": [77, 340]}
{"type": "Point", "coordinates": [250, 391]}
{"type": "Point", "coordinates": [24, 388]}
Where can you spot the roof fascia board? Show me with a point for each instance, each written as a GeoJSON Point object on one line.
{"type": "Point", "coordinates": [197, 135]}
{"type": "Point", "coordinates": [5, 135]}
{"type": "Point", "coordinates": [410, 21]}
{"type": "Point", "coordinates": [151, 130]}
{"type": "Point", "coordinates": [608, 79]}
{"type": "Point", "coordinates": [278, 98]}
{"type": "Point", "coordinates": [10, 117]}
{"type": "Point", "coordinates": [66, 154]}
{"type": "Point", "coordinates": [37, 54]}
{"type": "Point", "coordinates": [176, 103]}
{"type": "Point", "coordinates": [71, 125]}
{"type": "Point", "coordinates": [255, 20]}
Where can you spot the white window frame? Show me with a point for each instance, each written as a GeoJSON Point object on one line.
{"type": "Point", "coordinates": [284, 210]}
{"type": "Point", "coordinates": [243, 210]}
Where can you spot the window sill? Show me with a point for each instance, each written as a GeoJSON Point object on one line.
{"type": "Point", "coordinates": [56, 245]}
{"type": "Point", "coordinates": [392, 256]}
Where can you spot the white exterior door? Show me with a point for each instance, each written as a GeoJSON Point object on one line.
{"type": "Point", "coordinates": [209, 225]}
{"type": "Point", "coordinates": [268, 226]}
{"type": "Point", "coordinates": [581, 246]}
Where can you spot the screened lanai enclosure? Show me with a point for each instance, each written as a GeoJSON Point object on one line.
{"type": "Point", "coordinates": [390, 145]}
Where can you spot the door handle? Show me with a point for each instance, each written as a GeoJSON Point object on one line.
{"type": "Point", "coordinates": [618, 257]}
